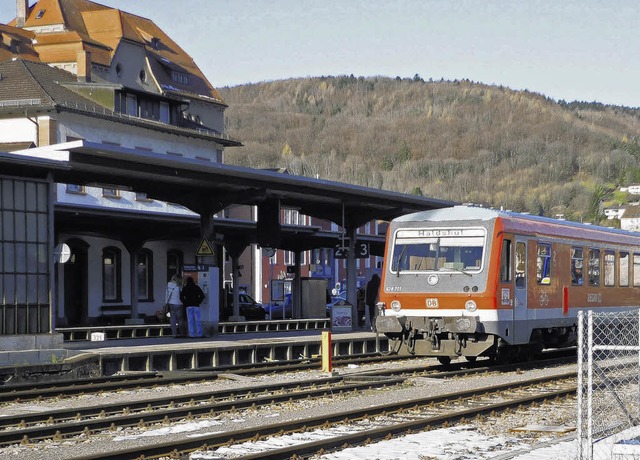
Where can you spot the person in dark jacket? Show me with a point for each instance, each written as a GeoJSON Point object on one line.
{"type": "Point", "coordinates": [371, 298]}
{"type": "Point", "coordinates": [192, 296]}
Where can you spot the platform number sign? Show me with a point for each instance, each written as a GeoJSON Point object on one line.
{"type": "Point", "coordinates": [361, 251]}
{"type": "Point", "coordinates": [340, 252]}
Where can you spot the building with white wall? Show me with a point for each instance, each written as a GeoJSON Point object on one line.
{"type": "Point", "coordinates": [75, 69]}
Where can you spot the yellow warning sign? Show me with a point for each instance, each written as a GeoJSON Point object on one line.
{"type": "Point", "coordinates": [205, 248]}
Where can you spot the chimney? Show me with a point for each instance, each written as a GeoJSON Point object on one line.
{"type": "Point", "coordinates": [83, 59]}
{"type": "Point", "coordinates": [22, 8]}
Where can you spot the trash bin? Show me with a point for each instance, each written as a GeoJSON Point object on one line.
{"type": "Point", "coordinates": [341, 316]}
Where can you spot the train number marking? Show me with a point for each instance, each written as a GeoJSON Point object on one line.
{"type": "Point", "coordinates": [431, 303]}
{"type": "Point", "coordinates": [594, 298]}
{"type": "Point", "coordinates": [392, 289]}
{"type": "Point", "coordinates": [544, 299]}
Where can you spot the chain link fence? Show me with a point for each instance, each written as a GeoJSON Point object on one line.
{"type": "Point", "coordinates": [608, 385]}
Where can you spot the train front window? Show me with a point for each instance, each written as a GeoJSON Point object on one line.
{"type": "Point", "coordinates": [442, 250]}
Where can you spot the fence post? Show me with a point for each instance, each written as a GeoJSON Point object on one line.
{"type": "Point", "coordinates": [638, 345]}
{"type": "Point", "coordinates": [589, 385]}
{"type": "Point", "coordinates": [580, 383]}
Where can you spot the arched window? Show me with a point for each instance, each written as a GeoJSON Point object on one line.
{"type": "Point", "coordinates": [111, 275]}
{"type": "Point", "coordinates": [174, 263]}
{"type": "Point", "coordinates": [144, 266]}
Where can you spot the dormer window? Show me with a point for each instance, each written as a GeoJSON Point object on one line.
{"type": "Point", "coordinates": [180, 77]}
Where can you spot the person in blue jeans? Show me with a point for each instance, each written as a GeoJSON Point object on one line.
{"type": "Point", "coordinates": [175, 306]}
{"type": "Point", "coordinates": [192, 296]}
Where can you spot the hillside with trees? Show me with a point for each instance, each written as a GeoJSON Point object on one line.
{"type": "Point", "coordinates": [459, 140]}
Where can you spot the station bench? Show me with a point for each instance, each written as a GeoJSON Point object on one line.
{"type": "Point", "coordinates": [114, 314]}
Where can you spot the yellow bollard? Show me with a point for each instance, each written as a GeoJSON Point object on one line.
{"type": "Point", "coordinates": [327, 364]}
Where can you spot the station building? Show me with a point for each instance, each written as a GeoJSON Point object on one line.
{"type": "Point", "coordinates": [75, 70]}
{"type": "Point", "coordinates": [78, 70]}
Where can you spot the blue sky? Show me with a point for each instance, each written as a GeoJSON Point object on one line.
{"type": "Point", "coordinates": [573, 50]}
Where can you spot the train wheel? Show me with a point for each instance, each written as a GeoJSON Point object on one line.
{"type": "Point", "coordinates": [471, 359]}
{"type": "Point", "coordinates": [525, 354]}
{"type": "Point", "coordinates": [503, 353]}
{"type": "Point", "coordinates": [444, 360]}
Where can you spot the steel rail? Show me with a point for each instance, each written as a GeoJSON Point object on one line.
{"type": "Point", "coordinates": [90, 386]}
{"type": "Point", "coordinates": [64, 388]}
{"type": "Point", "coordinates": [179, 448]}
{"type": "Point", "coordinates": [367, 436]}
{"type": "Point", "coordinates": [61, 424]}
{"type": "Point", "coordinates": [104, 410]}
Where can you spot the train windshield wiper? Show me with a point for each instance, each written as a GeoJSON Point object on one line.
{"type": "Point", "coordinates": [404, 248]}
{"type": "Point", "coordinates": [453, 269]}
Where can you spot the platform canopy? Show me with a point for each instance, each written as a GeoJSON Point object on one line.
{"type": "Point", "coordinates": [203, 185]}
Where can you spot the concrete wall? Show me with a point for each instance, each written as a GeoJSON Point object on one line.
{"type": "Point", "coordinates": [18, 130]}
{"type": "Point", "coordinates": [94, 273]}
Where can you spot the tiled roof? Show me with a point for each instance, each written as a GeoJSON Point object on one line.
{"type": "Point", "coordinates": [87, 22]}
{"type": "Point", "coordinates": [19, 87]}
{"type": "Point", "coordinates": [631, 212]}
{"type": "Point", "coordinates": [16, 42]}
{"type": "Point", "coordinates": [40, 87]}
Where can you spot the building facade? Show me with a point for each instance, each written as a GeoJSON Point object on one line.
{"type": "Point", "coordinates": [75, 69]}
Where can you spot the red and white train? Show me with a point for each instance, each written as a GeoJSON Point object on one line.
{"type": "Point", "coordinates": [471, 282]}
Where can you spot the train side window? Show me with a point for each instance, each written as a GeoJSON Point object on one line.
{"type": "Point", "coordinates": [543, 266]}
{"type": "Point", "coordinates": [521, 264]}
{"type": "Point", "coordinates": [577, 264]}
{"type": "Point", "coordinates": [505, 261]}
{"type": "Point", "coordinates": [636, 270]}
{"type": "Point", "coordinates": [594, 267]}
{"type": "Point", "coordinates": [609, 268]}
{"type": "Point", "coordinates": [623, 267]}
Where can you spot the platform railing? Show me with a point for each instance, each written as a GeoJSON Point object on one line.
{"type": "Point", "coordinates": [143, 331]}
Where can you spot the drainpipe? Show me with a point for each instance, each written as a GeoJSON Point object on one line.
{"type": "Point", "coordinates": [35, 122]}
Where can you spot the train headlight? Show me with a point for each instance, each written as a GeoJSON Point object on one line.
{"type": "Point", "coordinates": [395, 305]}
{"type": "Point", "coordinates": [470, 305]}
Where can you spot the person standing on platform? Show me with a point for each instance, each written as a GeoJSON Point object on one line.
{"type": "Point", "coordinates": [360, 308]}
{"type": "Point", "coordinates": [192, 296]}
{"type": "Point", "coordinates": [371, 298]}
{"type": "Point", "coordinates": [176, 310]}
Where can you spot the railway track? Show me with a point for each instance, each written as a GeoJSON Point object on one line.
{"type": "Point", "coordinates": [63, 423]}
{"type": "Point", "coordinates": [143, 380]}
{"type": "Point", "coordinates": [140, 380]}
{"type": "Point", "coordinates": [353, 427]}
{"type": "Point", "coordinates": [107, 419]}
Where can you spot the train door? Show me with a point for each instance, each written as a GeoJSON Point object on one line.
{"type": "Point", "coordinates": [520, 332]}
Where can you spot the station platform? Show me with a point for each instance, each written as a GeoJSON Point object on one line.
{"type": "Point", "coordinates": [220, 351]}
{"type": "Point", "coordinates": [80, 352]}
{"type": "Point", "coordinates": [73, 334]}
